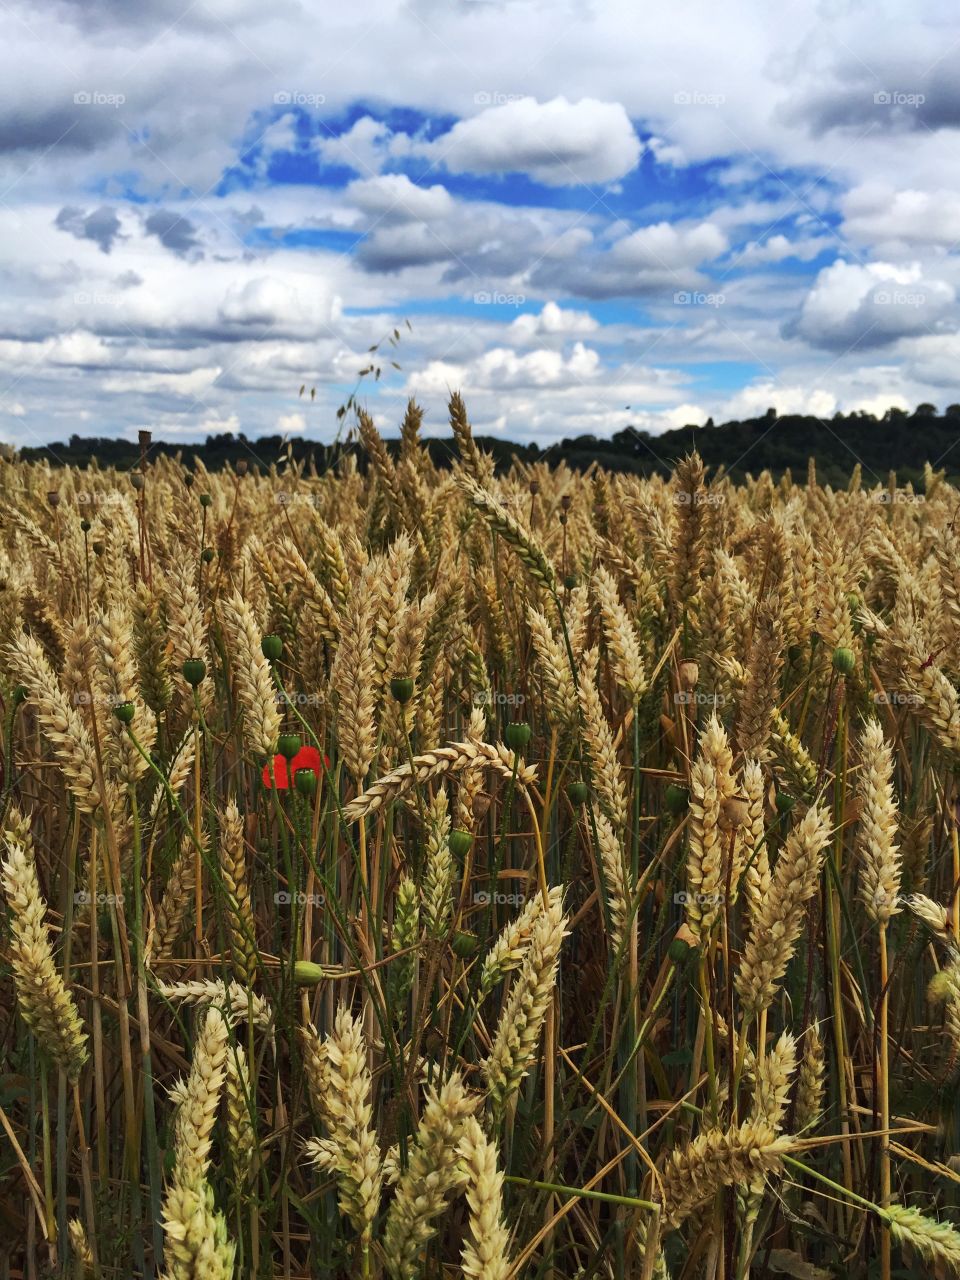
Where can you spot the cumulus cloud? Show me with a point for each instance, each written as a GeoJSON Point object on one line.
{"type": "Point", "coordinates": [394, 196]}
{"type": "Point", "coordinates": [670, 246]}
{"type": "Point", "coordinates": [851, 305]}
{"type": "Point", "coordinates": [878, 213]}
{"type": "Point", "coordinates": [558, 142]}
{"type": "Point", "coordinates": [553, 321]}
{"type": "Point", "coordinates": [365, 147]}
{"type": "Point", "coordinates": [659, 258]}
{"type": "Point", "coordinates": [779, 248]}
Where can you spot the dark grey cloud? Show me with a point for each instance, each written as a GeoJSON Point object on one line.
{"type": "Point", "coordinates": [176, 233]}
{"type": "Point", "coordinates": [71, 126]}
{"type": "Point", "coordinates": [102, 226]}
{"type": "Point", "coordinates": [892, 98]}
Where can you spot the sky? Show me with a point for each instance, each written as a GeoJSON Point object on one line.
{"type": "Point", "coordinates": [584, 215]}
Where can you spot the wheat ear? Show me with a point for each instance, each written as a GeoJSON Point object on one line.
{"type": "Point", "coordinates": [47, 1006]}
{"type": "Point", "coordinates": [773, 936]}
{"type": "Point", "coordinates": [433, 1172]}
{"type": "Point", "coordinates": [484, 1255]}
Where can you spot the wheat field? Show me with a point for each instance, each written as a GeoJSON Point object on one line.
{"type": "Point", "coordinates": [424, 872]}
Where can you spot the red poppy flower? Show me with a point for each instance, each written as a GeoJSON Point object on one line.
{"type": "Point", "coordinates": [306, 758]}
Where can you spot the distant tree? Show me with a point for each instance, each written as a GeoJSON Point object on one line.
{"type": "Point", "coordinates": [925, 410]}
{"type": "Point", "coordinates": [770, 414]}
{"type": "Point", "coordinates": [952, 411]}
{"type": "Point", "coordinates": [709, 423]}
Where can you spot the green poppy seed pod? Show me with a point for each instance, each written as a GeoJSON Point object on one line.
{"type": "Point", "coordinates": [136, 479]}
{"type": "Point", "coordinates": [676, 799]}
{"type": "Point", "coordinates": [402, 688]}
{"type": "Point", "coordinates": [784, 802]}
{"type": "Point", "coordinates": [678, 950]}
{"type": "Point", "coordinates": [460, 842]}
{"type": "Point", "coordinates": [844, 661]}
{"type": "Point", "coordinates": [307, 974]}
{"type": "Point", "coordinates": [795, 653]}
{"type": "Point", "coordinates": [144, 438]}
{"type": "Point", "coordinates": [517, 735]}
{"type": "Point", "coordinates": [206, 555]}
{"type": "Point", "coordinates": [305, 780]}
{"type": "Point", "coordinates": [578, 792]}
{"type": "Point", "coordinates": [241, 467]}
{"type": "Point", "coordinates": [98, 548]}
{"type": "Point", "coordinates": [85, 526]}
{"type": "Point", "coordinates": [125, 711]}
{"type": "Point", "coordinates": [271, 647]}
{"type": "Point", "coordinates": [570, 581]}
{"type": "Point", "coordinates": [194, 670]}
{"type": "Point", "coordinates": [464, 944]}
{"type": "Point", "coordinates": [53, 498]}
{"type": "Point", "coordinates": [289, 744]}
{"type": "Point", "coordinates": [188, 479]}
{"type": "Point", "coordinates": [19, 695]}
{"type": "Point", "coordinates": [205, 499]}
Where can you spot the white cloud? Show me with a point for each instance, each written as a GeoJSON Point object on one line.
{"type": "Point", "coordinates": [877, 213]}
{"type": "Point", "coordinates": [665, 245]}
{"type": "Point", "coordinates": [756, 398]}
{"type": "Point", "coordinates": [291, 424]}
{"type": "Point", "coordinates": [778, 248]}
{"type": "Point", "coordinates": [851, 305]}
{"type": "Point", "coordinates": [553, 321]}
{"type": "Point", "coordinates": [559, 142]}
{"type": "Point", "coordinates": [394, 195]}
{"type": "Point", "coordinates": [365, 147]}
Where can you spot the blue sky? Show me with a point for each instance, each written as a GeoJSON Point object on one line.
{"type": "Point", "coordinates": [590, 216]}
